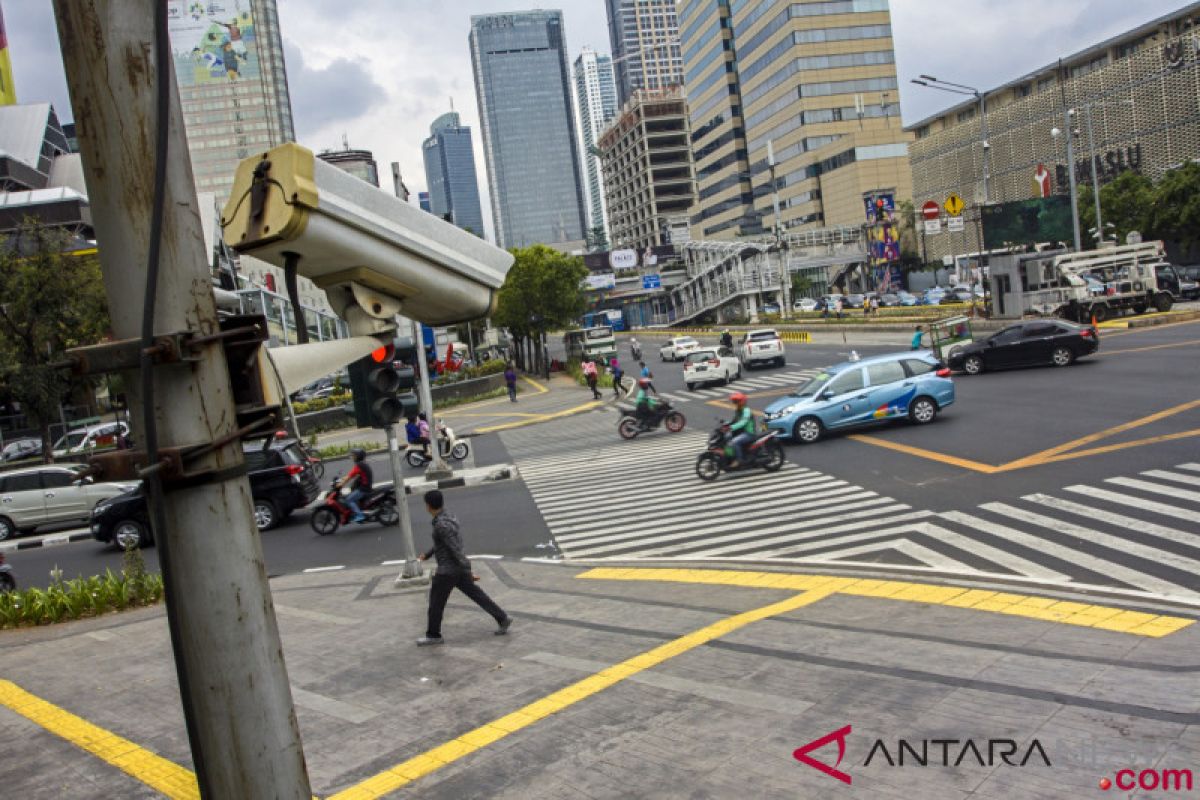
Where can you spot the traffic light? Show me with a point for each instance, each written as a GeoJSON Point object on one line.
{"type": "Point", "coordinates": [382, 385]}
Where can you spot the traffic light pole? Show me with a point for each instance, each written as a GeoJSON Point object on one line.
{"type": "Point", "coordinates": [233, 682]}
{"type": "Point", "coordinates": [438, 469]}
{"type": "Point", "coordinates": [412, 567]}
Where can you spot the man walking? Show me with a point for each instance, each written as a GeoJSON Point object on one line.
{"type": "Point", "coordinates": [453, 572]}
{"type": "Point", "coordinates": [510, 381]}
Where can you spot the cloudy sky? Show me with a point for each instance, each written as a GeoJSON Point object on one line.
{"type": "Point", "coordinates": [379, 71]}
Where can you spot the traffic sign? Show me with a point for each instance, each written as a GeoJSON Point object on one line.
{"type": "Point", "coordinates": [933, 226]}
{"type": "Point", "coordinates": [953, 204]}
{"type": "Point", "coordinates": [931, 210]}
{"type": "Point", "coordinates": [651, 281]}
{"type": "Point", "coordinates": [954, 224]}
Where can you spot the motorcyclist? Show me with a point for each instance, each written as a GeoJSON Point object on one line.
{"type": "Point", "coordinates": [645, 403]}
{"type": "Point", "coordinates": [726, 338]}
{"type": "Point", "coordinates": [741, 427]}
{"type": "Point", "coordinates": [635, 349]}
{"type": "Point", "coordinates": [362, 471]}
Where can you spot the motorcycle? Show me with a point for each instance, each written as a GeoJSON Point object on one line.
{"type": "Point", "coordinates": [449, 445]}
{"type": "Point", "coordinates": [8, 581]}
{"type": "Point", "coordinates": [765, 451]}
{"type": "Point", "coordinates": [629, 425]}
{"type": "Point", "coordinates": [636, 352]}
{"type": "Point", "coordinates": [378, 506]}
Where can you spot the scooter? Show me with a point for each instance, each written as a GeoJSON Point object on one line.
{"type": "Point", "coordinates": [629, 425]}
{"type": "Point", "coordinates": [765, 451]}
{"type": "Point", "coordinates": [449, 445]}
{"type": "Point", "coordinates": [8, 581]}
{"type": "Point", "coordinates": [636, 352]}
{"type": "Point", "coordinates": [378, 506]}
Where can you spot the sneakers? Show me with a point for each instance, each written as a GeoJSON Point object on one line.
{"type": "Point", "coordinates": [360, 518]}
{"type": "Point", "coordinates": [426, 641]}
{"type": "Point", "coordinates": [504, 626]}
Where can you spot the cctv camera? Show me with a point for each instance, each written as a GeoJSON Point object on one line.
{"type": "Point", "coordinates": [373, 254]}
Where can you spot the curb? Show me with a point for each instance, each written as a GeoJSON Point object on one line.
{"type": "Point", "coordinates": [47, 541]}
{"type": "Point", "coordinates": [1167, 318]}
{"type": "Point", "coordinates": [478, 476]}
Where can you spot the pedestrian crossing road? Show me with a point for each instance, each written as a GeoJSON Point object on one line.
{"type": "Point", "coordinates": [1135, 534]}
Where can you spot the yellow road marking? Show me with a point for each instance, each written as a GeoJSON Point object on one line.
{"type": "Point", "coordinates": [432, 760]}
{"type": "Point", "coordinates": [149, 768]}
{"type": "Point", "coordinates": [541, 389]}
{"type": "Point", "coordinates": [1047, 609]}
{"type": "Point", "coordinates": [929, 455]}
{"type": "Point", "coordinates": [1148, 347]}
{"type": "Point", "coordinates": [541, 417]}
{"type": "Point", "coordinates": [1095, 451]}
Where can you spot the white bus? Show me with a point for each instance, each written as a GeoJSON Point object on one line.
{"type": "Point", "coordinates": [593, 343]}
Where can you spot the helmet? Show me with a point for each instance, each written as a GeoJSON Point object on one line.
{"type": "Point", "coordinates": [643, 382]}
{"type": "Point", "coordinates": [358, 453]}
{"type": "Point", "coordinates": [738, 398]}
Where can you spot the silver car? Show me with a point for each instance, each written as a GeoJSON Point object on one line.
{"type": "Point", "coordinates": [48, 495]}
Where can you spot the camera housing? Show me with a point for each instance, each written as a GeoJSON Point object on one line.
{"type": "Point", "coordinates": [373, 254]}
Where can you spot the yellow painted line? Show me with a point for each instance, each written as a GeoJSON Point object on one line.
{"type": "Point", "coordinates": [502, 413]}
{"type": "Point", "coordinates": [540, 389]}
{"type": "Point", "coordinates": [931, 455]}
{"type": "Point", "coordinates": [1020, 605]}
{"type": "Point", "coordinates": [1112, 448]}
{"type": "Point", "coordinates": [432, 760]}
{"type": "Point", "coordinates": [1148, 347]}
{"type": "Point", "coordinates": [541, 417]}
{"type": "Point", "coordinates": [151, 769]}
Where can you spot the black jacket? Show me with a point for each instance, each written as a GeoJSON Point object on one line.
{"type": "Point", "coordinates": [448, 547]}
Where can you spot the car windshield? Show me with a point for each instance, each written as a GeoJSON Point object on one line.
{"type": "Point", "coordinates": [696, 356]}
{"type": "Point", "coordinates": [686, 343]}
{"type": "Point", "coordinates": [762, 336]}
{"type": "Point", "coordinates": [813, 385]}
{"type": "Point", "coordinates": [72, 439]}
{"type": "Point", "coordinates": [599, 333]}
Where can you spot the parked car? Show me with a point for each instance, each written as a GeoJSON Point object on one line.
{"type": "Point", "coordinates": [910, 385]}
{"type": "Point", "coordinates": [50, 494]}
{"type": "Point", "coordinates": [1045, 341]}
{"type": "Point", "coordinates": [281, 480]}
{"type": "Point", "coordinates": [961, 294]}
{"type": "Point", "coordinates": [853, 301]}
{"type": "Point", "coordinates": [907, 299]}
{"type": "Point", "coordinates": [888, 299]}
{"type": "Point", "coordinates": [805, 304]}
{"type": "Point", "coordinates": [19, 449]}
{"type": "Point", "coordinates": [759, 346]}
{"type": "Point", "coordinates": [675, 349]}
{"type": "Point", "coordinates": [84, 440]}
{"type": "Point", "coordinates": [710, 365]}
{"type": "Point", "coordinates": [770, 308]}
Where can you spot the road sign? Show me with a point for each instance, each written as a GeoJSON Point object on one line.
{"type": "Point", "coordinates": [651, 281]}
{"type": "Point", "coordinates": [933, 226]}
{"type": "Point", "coordinates": [931, 210]}
{"type": "Point", "coordinates": [953, 204]}
{"type": "Point", "coordinates": [954, 224]}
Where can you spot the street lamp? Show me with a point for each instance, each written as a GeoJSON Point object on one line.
{"type": "Point", "coordinates": [1056, 132]}
{"type": "Point", "coordinates": [930, 82]}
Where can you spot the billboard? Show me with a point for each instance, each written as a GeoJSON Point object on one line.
{"type": "Point", "coordinates": [214, 42]}
{"type": "Point", "coordinates": [8, 93]}
{"type": "Point", "coordinates": [1042, 219]}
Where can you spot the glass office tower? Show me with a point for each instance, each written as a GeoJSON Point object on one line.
{"type": "Point", "coordinates": [450, 173]}
{"type": "Point", "coordinates": [596, 94]}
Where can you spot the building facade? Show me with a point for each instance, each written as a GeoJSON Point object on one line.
{"type": "Point", "coordinates": [648, 168]}
{"type": "Point", "coordinates": [1134, 104]}
{"type": "Point", "coordinates": [39, 176]}
{"type": "Point", "coordinates": [815, 80]}
{"type": "Point", "coordinates": [232, 85]}
{"type": "Point", "coordinates": [522, 83]}
{"type": "Point", "coordinates": [359, 163]}
{"type": "Point", "coordinates": [645, 45]}
{"type": "Point", "coordinates": [450, 173]}
{"type": "Point", "coordinates": [596, 97]}
{"type": "Point", "coordinates": [423, 202]}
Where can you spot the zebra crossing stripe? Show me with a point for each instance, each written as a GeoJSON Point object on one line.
{"type": "Point", "coordinates": [799, 541]}
{"type": "Point", "coordinates": [932, 559]}
{"type": "Point", "coordinates": [1157, 488]}
{"type": "Point", "coordinates": [1125, 500]}
{"type": "Point", "coordinates": [1163, 474]}
{"type": "Point", "coordinates": [1192, 467]}
{"type": "Point", "coordinates": [1119, 520]}
{"type": "Point", "coordinates": [754, 384]}
{"type": "Point", "coordinates": [633, 488]}
{"type": "Point", "coordinates": [662, 448]}
{"type": "Point", "coordinates": [1010, 561]}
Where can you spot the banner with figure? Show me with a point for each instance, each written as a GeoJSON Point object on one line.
{"type": "Point", "coordinates": [214, 42]}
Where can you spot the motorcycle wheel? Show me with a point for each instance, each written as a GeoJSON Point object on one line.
{"type": "Point", "coordinates": [388, 515]}
{"type": "Point", "coordinates": [7, 582]}
{"type": "Point", "coordinates": [675, 422]}
{"type": "Point", "coordinates": [324, 521]}
{"type": "Point", "coordinates": [414, 458]}
{"type": "Point", "coordinates": [628, 428]}
{"type": "Point", "coordinates": [773, 457]}
{"type": "Point", "coordinates": [459, 451]}
{"type": "Point", "coordinates": [708, 467]}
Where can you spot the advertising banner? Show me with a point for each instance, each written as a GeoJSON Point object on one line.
{"type": "Point", "coordinates": [214, 42]}
{"type": "Point", "coordinates": [1042, 219]}
{"type": "Point", "coordinates": [606, 280]}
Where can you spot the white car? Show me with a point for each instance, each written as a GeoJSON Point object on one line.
{"type": "Point", "coordinates": [50, 494]}
{"type": "Point", "coordinates": [675, 349]}
{"type": "Point", "coordinates": [804, 304]}
{"type": "Point", "coordinates": [85, 440]}
{"type": "Point", "coordinates": [761, 346]}
{"type": "Point", "coordinates": [710, 365]}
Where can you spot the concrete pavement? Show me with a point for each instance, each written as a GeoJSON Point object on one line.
{"type": "Point", "coordinates": [642, 683]}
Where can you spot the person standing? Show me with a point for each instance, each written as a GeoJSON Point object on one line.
{"type": "Point", "coordinates": [510, 380]}
{"type": "Point", "coordinates": [916, 339]}
{"type": "Point", "coordinates": [837, 307]}
{"type": "Point", "coordinates": [453, 572]}
{"type": "Point", "coordinates": [589, 375]}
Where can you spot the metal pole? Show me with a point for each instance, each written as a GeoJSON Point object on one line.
{"type": "Point", "coordinates": [1095, 178]}
{"type": "Point", "coordinates": [412, 567]}
{"type": "Point", "coordinates": [233, 682]}
{"type": "Point", "coordinates": [1071, 179]}
{"type": "Point", "coordinates": [987, 147]}
{"type": "Point", "coordinates": [438, 468]}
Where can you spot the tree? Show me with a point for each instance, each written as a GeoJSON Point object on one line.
{"type": "Point", "coordinates": [1125, 202]}
{"type": "Point", "coordinates": [542, 291]}
{"type": "Point", "coordinates": [50, 299]}
{"type": "Point", "coordinates": [1174, 213]}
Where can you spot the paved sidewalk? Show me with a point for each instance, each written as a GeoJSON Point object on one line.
{"type": "Point", "coordinates": [641, 683]}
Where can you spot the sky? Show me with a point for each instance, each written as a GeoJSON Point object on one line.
{"type": "Point", "coordinates": [377, 72]}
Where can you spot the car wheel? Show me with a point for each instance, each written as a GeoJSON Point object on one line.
{"type": "Point", "coordinates": [1141, 308]}
{"type": "Point", "coordinates": [779, 362]}
{"type": "Point", "coordinates": [973, 365]}
{"type": "Point", "coordinates": [324, 521]}
{"type": "Point", "coordinates": [1062, 356]}
{"type": "Point", "coordinates": [691, 387]}
{"type": "Point", "coordinates": [808, 430]}
{"type": "Point", "coordinates": [1098, 312]}
{"type": "Point", "coordinates": [922, 411]}
{"type": "Point", "coordinates": [1162, 302]}
{"type": "Point", "coordinates": [130, 533]}
{"type": "Point", "coordinates": [738, 376]}
{"type": "Point", "coordinates": [7, 529]}
{"type": "Point", "coordinates": [266, 515]}
{"type": "Point", "coordinates": [708, 467]}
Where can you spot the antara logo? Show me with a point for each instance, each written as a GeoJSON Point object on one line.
{"type": "Point", "coordinates": [924, 752]}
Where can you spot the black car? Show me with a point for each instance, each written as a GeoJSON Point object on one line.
{"type": "Point", "coordinates": [281, 481]}
{"type": "Point", "coordinates": [1045, 341]}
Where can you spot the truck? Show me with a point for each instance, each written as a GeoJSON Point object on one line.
{"type": "Point", "coordinates": [1099, 284]}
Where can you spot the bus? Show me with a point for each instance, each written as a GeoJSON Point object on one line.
{"type": "Point", "coordinates": [596, 342]}
{"type": "Point", "coordinates": [611, 317]}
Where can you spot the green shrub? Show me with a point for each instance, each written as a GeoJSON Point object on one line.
{"type": "Point", "coordinates": [82, 597]}
{"type": "Point", "coordinates": [321, 403]}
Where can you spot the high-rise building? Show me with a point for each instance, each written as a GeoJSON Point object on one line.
{"type": "Point", "coordinates": [359, 163]}
{"type": "Point", "coordinates": [450, 173]}
{"type": "Point", "coordinates": [232, 84]}
{"type": "Point", "coordinates": [423, 201]}
{"type": "Point", "coordinates": [815, 80]}
{"type": "Point", "coordinates": [398, 182]}
{"type": "Point", "coordinates": [8, 92]}
{"type": "Point", "coordinates": [523, 85]}
{"type": "Point", "coordinates": [645, 45]}
{"type": "Point", "coordinates": [596, 96]}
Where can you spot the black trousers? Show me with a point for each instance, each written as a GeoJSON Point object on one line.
{"type": "Point", "coordinates": [440, 591]}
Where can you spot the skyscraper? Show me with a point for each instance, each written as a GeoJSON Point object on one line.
{"type": "Point", "coordinates": [450, 173]}
{"type": "Point", "coordinates": [596, 94]}
{"type": "Point", "coordinates": [359, 163]}
{"type": "Point", "coordinates": [645, 45]}
{"type": "Point", "coordinates": [232, 84]}
{"type": "Point", "coordinates": [522, 83]}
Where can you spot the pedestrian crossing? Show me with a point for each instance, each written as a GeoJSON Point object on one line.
{"type": "Point", "coordinates": [749, 382]}
{"type": "Point", "coordinates": [641, 501]}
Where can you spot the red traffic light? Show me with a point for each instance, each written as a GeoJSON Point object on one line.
{"type": "Point", "coordinates": [383, 354]}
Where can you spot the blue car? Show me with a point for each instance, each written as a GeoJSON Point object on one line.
{"type": "Point", "coordinates": [911, 385]}
{"type": "Point", "coordinates": [907, 299]}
